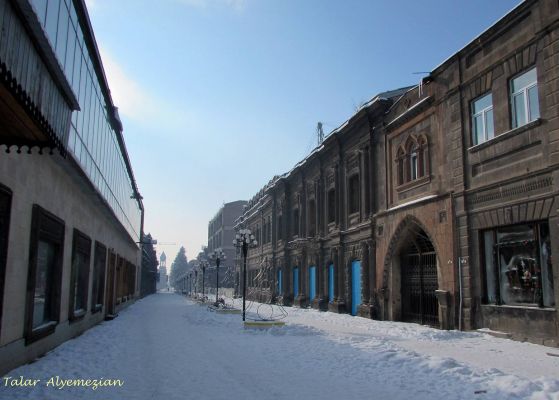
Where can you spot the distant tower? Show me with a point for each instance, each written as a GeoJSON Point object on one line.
{"type": "Point", "coordinates": [163, 278]}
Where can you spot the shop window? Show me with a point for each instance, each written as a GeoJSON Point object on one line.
{"type": "Point", "coordinates": [524, 98]}
{"type": "Point", "coordinates": [517, 265]}
{"type": "Point", "coordinates": [5, 209]}
{"type": "Point", "coordinates": [354, 194]}
{"type": "Point", "coordinates": [331, 205]}
{"type": "Point", "coordinates": [99, 264]}
{"type": "Point", "coordinates": [45, 274]}
{"type": "Point", "coordinates": [81, 255]}
{"type": "Point", "coordinates": [482, 119]}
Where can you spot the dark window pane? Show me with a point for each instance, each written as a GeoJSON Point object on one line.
{"type": "Point", "coordinates": [518, 104]}
{"type": "Point", "coordinates": [43, 280]}
{"type": "Point", "coordinates": [533, 103]}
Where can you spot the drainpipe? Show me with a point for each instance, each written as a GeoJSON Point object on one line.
{"type": "Point", "coordinates": [455, 246]}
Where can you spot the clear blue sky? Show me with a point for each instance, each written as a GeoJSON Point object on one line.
{"type": "Point", "coordinates": [218, 96]}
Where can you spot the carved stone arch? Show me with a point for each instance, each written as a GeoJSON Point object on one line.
{"type": "Point", "coordinates": [410, 143]}
{"type": "Point", "coordinates": [409, 231]}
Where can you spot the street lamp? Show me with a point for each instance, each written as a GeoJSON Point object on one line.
{"type": "Point", "coordinates": [244, 239]}
{"type": "Point", "coordinates": [204, 263]}
{"type": "Point", "coordinates": [217, 255]}
{"type": "Point", "coordinates": [196, 282]}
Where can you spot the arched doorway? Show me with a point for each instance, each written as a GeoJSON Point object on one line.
{"type": "Point", "coordinates": [418, 269]}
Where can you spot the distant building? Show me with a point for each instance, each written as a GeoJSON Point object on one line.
{"type": "Point", "coordinates": [221, 233]}
{"type": "Point", "coordinates": [149, 267]}
{"type": "Point", "coordinates": [163, 282]}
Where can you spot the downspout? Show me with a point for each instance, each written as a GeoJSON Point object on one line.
{"type": "Point", "coordinates": [455, 249]}
{"type": "Point", "coordinates": [455, 221]}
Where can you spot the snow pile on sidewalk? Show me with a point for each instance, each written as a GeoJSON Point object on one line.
{"type": "Point", "coordinates": [166, 347]}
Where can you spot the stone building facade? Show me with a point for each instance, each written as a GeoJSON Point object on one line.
{"type": "Point", "coordinates": [221, 232]}
{"type": "Point", "coordinates": [435, 203]}
{"type": "Point", "coordinates": [71, 216]}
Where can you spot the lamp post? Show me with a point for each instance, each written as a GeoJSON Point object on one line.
{"type": "Point", "coordinates": [204, 263]}
{"type": "Point", "coordinates": [217, 255]}
{"type": "Point", "coordinates": [196, 282]}
{"type": "Point", "coordinates": [244, 239]}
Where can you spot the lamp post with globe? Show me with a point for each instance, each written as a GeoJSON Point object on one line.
{"type": "Point", "coordinates": [217, 255]}
{"type": "Point", "coordinates": [245, 239]}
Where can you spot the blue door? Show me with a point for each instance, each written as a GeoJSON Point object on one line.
{"type": "Point", "coordinates": [312, 283]}
{"type": "Point", "coordinates": [280, 283]}
{"type": "Point", "coordinates": [331, 283]}
{"type": "Point", "coordinates": [295, 282]}
{"type": "Point", "coordinates": [355, 286]}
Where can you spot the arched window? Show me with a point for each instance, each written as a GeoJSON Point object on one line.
{"type": "Point", "coordinates": [414, 167]}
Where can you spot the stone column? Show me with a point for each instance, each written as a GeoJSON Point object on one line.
{"type": "Point", "coordinates": [365, 307]}
{"type": "Point", "coordinates": [373, 295]}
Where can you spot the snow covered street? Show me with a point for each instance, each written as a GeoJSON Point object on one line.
{"type": "Point", "coordinates": [167, 347]}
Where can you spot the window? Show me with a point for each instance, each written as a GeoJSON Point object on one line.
{"type": "Point", "coordinates": [131, 279]}
{"type": "Point", "coordinates": [524, 98]}
{"type": "Point", "coordinates": [412, 160]}
{"type": "Point", "coordinates": [269, 228]}
{"type": "Point", "coordinates": [413, 163]}
{"type": "Point", "coordinates": [354, 194]}
{"type": "Point", "coordinates": [312, 218]}
{"type": "Point", "coordinates": [331, 205]}
{"type": "Point", "coordinates": [482, 119]}
{"type": "Point", "coordinates": [280, 227]}
{"type": "Point", "coordinates": [99, 263]}
{"type": "Point", "coordinates": [296, 222]}
{"type": "Point", "coordinates": [5, 209]}
{"type": "Point", "coordinates": [45, 274]}
{"type": "Point", "coordinates": [517, 265]}
{"type": "Point", "coordinates": [81, 254]}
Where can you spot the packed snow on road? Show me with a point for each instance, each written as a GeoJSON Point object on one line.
{"type": "Point", "coordinates": [168, 347]}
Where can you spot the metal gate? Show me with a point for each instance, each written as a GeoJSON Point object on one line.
{"type": "Point", "coordinates": [419, 281]}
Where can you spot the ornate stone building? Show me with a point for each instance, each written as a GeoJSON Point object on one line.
{"type": "Point", "coordinates": [432, 204]}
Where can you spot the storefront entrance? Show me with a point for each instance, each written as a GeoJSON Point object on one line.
{"type": "Point", "coordinates": [418, 262]}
